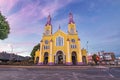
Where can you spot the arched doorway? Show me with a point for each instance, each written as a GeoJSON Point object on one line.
{"type": "Point", "coordinates": [45, 58]}
{"type": "Point", "coordinates": [59, 58]}
{"type": "Point", "coordinates": [37, 59]}
{"type": "Point", "coordinates": [84, 59]}
{"type": "Point", "coordinates": [74, 58]}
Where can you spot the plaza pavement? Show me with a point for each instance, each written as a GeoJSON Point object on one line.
{"type": "Point", "coordinates": [59, 73]}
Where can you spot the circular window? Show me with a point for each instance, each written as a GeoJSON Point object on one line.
{"type": "Point", "coordinates": [72, 40]}
{"type": "Point", "coordinates": [46, 41]}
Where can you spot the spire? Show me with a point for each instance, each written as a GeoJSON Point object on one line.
{"type": "Point", "coordinates": [48, 20]}
{"type": "Point", "coordinates": [70, 18]}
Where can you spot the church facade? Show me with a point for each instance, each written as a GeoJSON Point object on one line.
{"type": "Point", "coordinates": [60, 47]}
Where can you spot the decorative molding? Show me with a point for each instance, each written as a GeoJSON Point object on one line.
{"type": "Point", "coordinates": [68, 63]}
{"type": "Point", "coordinates": [51, 63]}
{"type": "Point", "coordinates": [78, 39]}
{"type": "Point", "coordinates": [40, 64]}
{"type": "Point", "coordinates": [68, 39]}
{"type": "Point", "coordinates": [80, 63]}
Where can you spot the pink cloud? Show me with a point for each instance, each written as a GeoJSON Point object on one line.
{"type": "Point", "coordinates": [31, 13]}
{"type": "Point", "coordinates": [24, 22]}
{"type": "Point", "coordinates": [35, 11]}
{"type": "Point", "coordinates": [26, 31]}
{"type": "Point", "coordinates": [27, 44]}
{"type": "Point", "coordinates": [6, 5]}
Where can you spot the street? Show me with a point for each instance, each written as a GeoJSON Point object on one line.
{"type": "Point", "coordinates": [59, 73]}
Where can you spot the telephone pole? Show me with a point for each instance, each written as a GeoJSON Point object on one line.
{"type": "Point", "coordinates": [87, 47]}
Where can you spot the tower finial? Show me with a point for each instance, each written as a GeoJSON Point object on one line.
{"type": "Point", "coordinates": [70, 18]}
{"type": "Point", "coordinates": [48, 20]}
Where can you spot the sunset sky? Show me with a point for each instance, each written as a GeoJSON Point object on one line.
{"type": "Point", "coordinates": [97, 21]}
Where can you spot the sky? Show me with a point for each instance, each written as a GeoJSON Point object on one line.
{"type": "Point", "coordinates": [97, 22]}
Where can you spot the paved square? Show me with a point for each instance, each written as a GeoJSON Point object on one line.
{"type": "Point", "coordinates": [59, 73]}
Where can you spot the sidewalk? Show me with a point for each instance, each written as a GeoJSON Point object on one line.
{"type": "Point", "coordinates": [56, 67]}
{"type": "Point", "coordinates": [47, 67]}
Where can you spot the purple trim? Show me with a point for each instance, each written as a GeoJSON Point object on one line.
{"type": "Point", "coordinates": [68, 63]}
{"type": "Point", "coordinates": [71, 18]}
{"type": "Point", "coordinates": [80, 63]}
{"type": "Point", "coordinates": [41, 63]}
{"type": "Point", "coordinates": [48, 24]}
{"type": "Point", "coordinates": [71, 21]}
{"type": "Point", "coordinates": [48, 20]}
{"type": "Point", "coordinates": [51, 63]}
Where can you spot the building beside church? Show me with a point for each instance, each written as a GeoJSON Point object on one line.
{"type": "Point", "coordinates": [60, 47]}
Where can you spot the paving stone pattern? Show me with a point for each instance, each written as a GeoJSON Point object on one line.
{"type": "Point", "coordinates": [59, 74]}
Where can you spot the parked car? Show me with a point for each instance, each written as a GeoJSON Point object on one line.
{"type": "Point", "coordinates": [112, 63]}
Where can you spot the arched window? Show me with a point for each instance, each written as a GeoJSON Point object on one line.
{"type": "Point", "coordinates": [46, 47]}
{"type": "Point", "coordinates": [73, 46]}
{"type": "Point", "coordinates": [59, 41]}
{"type": "Point", "coordinates": [72, 30]}
{"type": "Point", "coordinates": [47, 32]}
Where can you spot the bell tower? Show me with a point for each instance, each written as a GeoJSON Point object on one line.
{"type": "Point", "coordinates": [48, 26]}
{"type": "Point", "coordinates": [71, 25]}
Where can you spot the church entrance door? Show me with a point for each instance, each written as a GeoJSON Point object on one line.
{"type": "Point", "coordinates": [74, 58]}
{"type": "Point", "coordinates": [60, 58]}
{"type": "Point", "coordinates": [45, 57]}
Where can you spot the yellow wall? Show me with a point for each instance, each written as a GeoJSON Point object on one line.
{"type": "Point", "coordinates": [84, 53]}
{"type": "Point", "coordinates": [37, 53]}
{"type": "Point", "coordinates": [66, 48]}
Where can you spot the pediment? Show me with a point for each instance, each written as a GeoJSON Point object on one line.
{"type": "Point", "coordinates": [59, 32]}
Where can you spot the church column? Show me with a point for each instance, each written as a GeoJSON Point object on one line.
{"type": "Point", "coordinates": [79, 55]}
{"type": "Point", "coordinates": [40, 55]}
{"type": "Point", "coordinates": [51, 62]}
{"type": "Point", "coordinates": [68, 56]}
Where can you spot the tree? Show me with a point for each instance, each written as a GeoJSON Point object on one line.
{"type": "Point", "coordinates": [4, 27]}
{"type": "Point", "coordinates": [36, 47]}
{"type": "Point", "coordinates": [95, 58]}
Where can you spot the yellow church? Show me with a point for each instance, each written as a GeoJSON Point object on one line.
{"type": "Point", "coordinates": [60, 47]}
